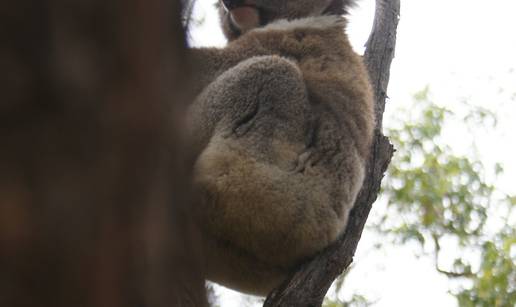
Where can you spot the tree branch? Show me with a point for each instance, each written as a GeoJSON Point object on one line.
{"type": "Point", "coordinates": [449, 274]}
{"type": "Point", "coordinates": [308, 286]}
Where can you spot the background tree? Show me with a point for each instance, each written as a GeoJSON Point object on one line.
{"type": "Point", "coordinates": [447, 202]}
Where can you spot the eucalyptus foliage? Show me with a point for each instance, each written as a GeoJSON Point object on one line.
{"type": "Point", "coordinates": [445, 201]}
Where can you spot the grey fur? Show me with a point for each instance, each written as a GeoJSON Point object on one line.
{"type": "Point", "coordinates": [283, 126]}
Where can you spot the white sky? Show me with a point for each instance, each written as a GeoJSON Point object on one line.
{"type": "Point", "coordinates": [465, 50]}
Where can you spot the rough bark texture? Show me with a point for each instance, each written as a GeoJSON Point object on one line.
{"type": "Point", "coordinates": [92, 183]}
{"type": "Point", "coordinates": [309, 285]}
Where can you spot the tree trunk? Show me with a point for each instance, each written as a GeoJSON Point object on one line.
{"type": "Point", "coordinates": [309, 285]}
{"type": "Point", "coordinates": [92, 181]}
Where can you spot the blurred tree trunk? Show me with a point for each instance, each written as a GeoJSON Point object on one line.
{"type": "Point", "coordinates": [92, 181]}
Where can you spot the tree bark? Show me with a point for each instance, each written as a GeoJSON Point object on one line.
{"type": "Point", "coordinates": [309, 285]}
{"type": "Point", "coordinates": [92, 179]}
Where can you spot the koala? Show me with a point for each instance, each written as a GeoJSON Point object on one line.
{"type": "Point", "coordinates": [281, 131]}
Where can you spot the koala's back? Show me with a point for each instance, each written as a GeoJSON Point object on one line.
{"type": "Point", "coordinates": [267, 204]}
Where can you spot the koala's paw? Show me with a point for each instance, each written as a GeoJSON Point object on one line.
{"type": "Point", "coordinates": [326, 156]}
{"type": "Point", "coordinates": [326, 147]}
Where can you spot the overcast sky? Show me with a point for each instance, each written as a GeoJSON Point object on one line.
{"type": "Point", "coordinates": [464, 50]}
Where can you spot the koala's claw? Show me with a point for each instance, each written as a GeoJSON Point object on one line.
{"type": "Point", "coordinates": [331, 154]}
{"type": "Point", "coordinates": [301, 162]}
{"type": "Point", "coordinates": [309, 158]}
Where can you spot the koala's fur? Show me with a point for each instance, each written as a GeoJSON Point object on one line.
{"type": "Point", "coordinates": [283, 126]}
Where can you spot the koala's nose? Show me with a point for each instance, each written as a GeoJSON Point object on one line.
{"type": "Point", "coordinates": [232, 4]}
